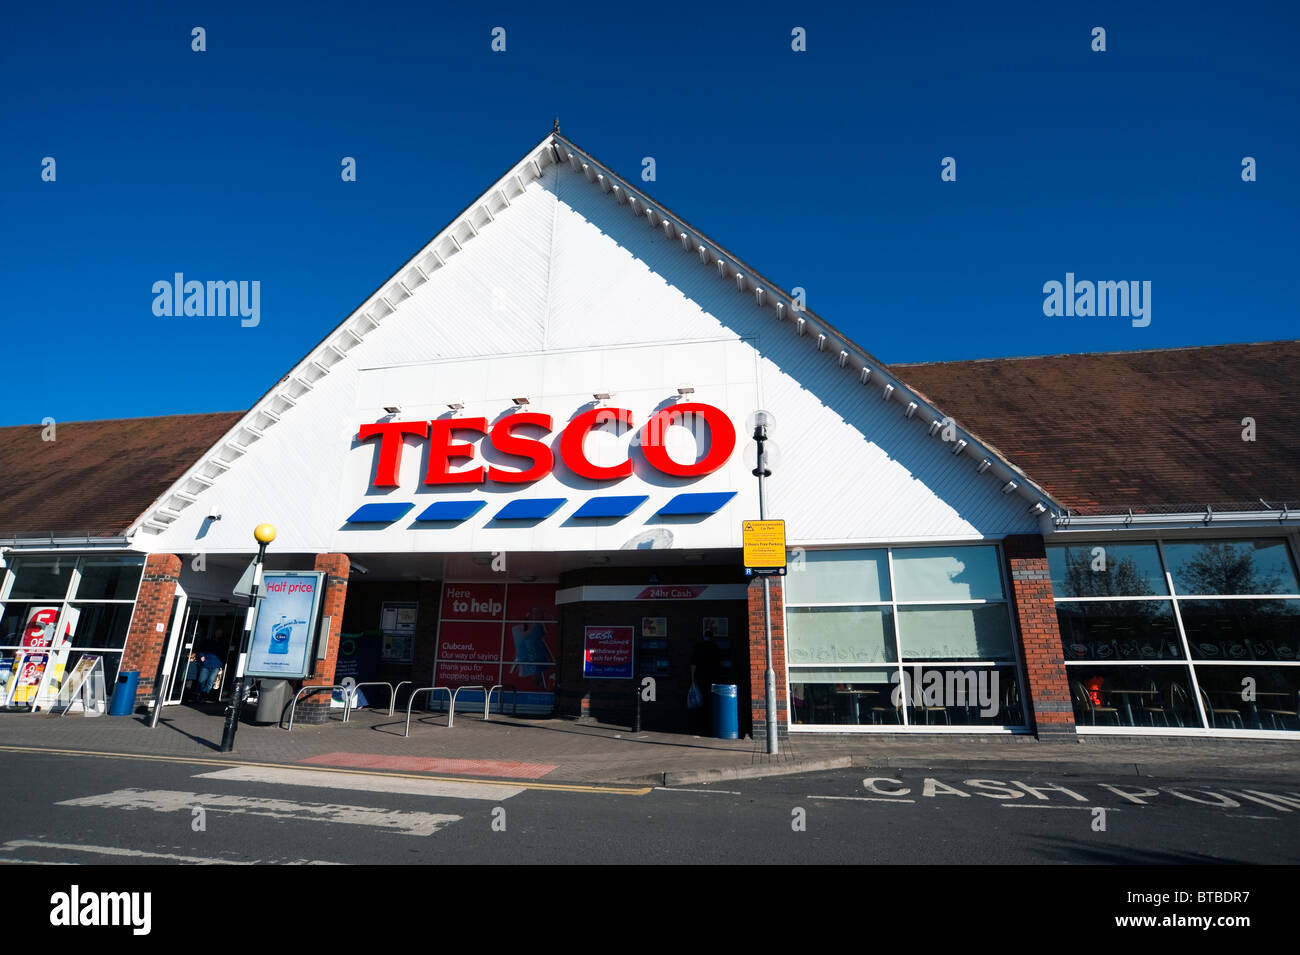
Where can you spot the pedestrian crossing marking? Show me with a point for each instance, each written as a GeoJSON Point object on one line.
{"type": "Point", "coordinates": [455, 789]}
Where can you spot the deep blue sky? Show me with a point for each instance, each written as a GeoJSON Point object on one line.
{"type": "Point", "coordinates": [821, 169]}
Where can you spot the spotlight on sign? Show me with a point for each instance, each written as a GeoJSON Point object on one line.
{"type": "Point", "coordinates": [393, 409]}
{"type": "Point", "coordinates": [456, 405]}
{"type": "Point", "coordinates": [685, 390]}
{"type": "Point", "coordinates": [520, 402]}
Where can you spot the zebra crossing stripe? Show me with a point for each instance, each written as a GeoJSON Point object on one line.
{"type": "Point", "coordinates": [319, 779]}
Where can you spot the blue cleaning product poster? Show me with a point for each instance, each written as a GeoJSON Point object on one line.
{"type": "Point", "coordinates": [286, 623]}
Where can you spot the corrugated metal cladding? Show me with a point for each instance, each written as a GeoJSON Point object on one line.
{"type": "Point", "coordinates": [564, 295]}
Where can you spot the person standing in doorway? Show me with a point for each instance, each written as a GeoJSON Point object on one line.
{"type": "Point", "coordinates": [706, 665]}
{"type": "Point", "coordinates": [210, 665]}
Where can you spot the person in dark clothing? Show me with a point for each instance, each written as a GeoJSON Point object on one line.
{"type": "Point", "coordinates": [210, 665]}
{"type": "Point", "coordinates": [706, 669]}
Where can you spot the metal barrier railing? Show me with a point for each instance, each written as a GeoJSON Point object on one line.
{"type": "Point", "coordinates": [393, 702]}
{"type": "Point", "coordinates": [297, 696]}
{"type": "Point", "coordinates": [426, 689]}
{"type": "Point", "coordinates": [451, 710]}
{"type": "Point", "coordinates": [514, 700]}
{"type": "Point", "coordinates": [349, 697]}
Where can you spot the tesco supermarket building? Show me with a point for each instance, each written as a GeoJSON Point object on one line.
{"type": "Point", "coordinates": [532, 438]}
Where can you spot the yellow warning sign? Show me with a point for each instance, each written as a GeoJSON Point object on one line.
{"type": "Point", "coordinates": [764, 544]}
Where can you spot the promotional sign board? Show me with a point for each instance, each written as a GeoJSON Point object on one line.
{"type": "Point", "coordinates": [490, 633]}
{"type": "Point", "coordinates": [28, 668]}
{"type": "Point", "coordinates": [92, 701]}
{"type": "Point", "coordinates": [79, 674]}
{"type": "Point", "coordinates": [607, 653]}
{"type": "Point", "coordinates": [764, 543]}
{"type": "Point", "coordinates": [286, 623]}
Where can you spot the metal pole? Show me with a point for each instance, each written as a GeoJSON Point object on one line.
{"type": "Point", "coordinates": [760, 436]}
{"type": "Point", "coordinates": [250, 621]}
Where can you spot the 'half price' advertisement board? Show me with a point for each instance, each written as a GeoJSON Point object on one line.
{"type": "Point", "coordinates": [286, 623]}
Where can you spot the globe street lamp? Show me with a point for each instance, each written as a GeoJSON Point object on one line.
{"type": "Point", "coordinates": [263, 534]}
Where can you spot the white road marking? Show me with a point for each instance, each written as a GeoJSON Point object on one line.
{"type": "Point", "coordinates": [862, 798]}
{"type": "Point", "coordinates": [113, 851]}
{"type": "Point", "coordinates": [138, 853]}
{"type": "Point", "coordinates": [673, 789]}
{"type": "Point", "coordinates": [1039, 805]}
{"type": "Point", "coordinates": [1254, 796]}
{"type": "Point", "coordinates": [168, 800]}
{"type": "Point", "coordinates": [364, 782]}
{"type": "Point", "coordinates": [33, 862]}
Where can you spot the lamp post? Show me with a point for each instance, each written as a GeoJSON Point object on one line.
{"type": "Point", "coordinates": [263, 534]}
{"type": "Point", "coordinates": [762, 420]}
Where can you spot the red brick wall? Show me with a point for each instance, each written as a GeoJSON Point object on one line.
{"type": "Point", "coordinates": [153, 606]}
{"type": "Point", "coordinates": [758, 657]}
{"type": "Point", "coordinates": [1048, 689]}
{"type": "Point", "coordinates": [314, 707]}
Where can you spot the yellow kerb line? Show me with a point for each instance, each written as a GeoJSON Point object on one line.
{"type": "Point", "coordinates": [204, 761]}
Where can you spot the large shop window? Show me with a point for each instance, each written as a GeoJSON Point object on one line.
{"type": "Point", "coordinates": [917, 636]}
{"type": "Point", "coordinates": [1180, 634]}
{"type": "Point", "coordinates": [93, 596]}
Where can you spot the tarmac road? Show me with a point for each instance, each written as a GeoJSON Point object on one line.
{"type": "Point", "coordinates": [152, 810]}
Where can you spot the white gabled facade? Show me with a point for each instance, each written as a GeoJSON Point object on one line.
{"type": "Point", "coordinates": [562, 282]}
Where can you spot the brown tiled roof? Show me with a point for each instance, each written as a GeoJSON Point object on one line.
{"type": "Point", "coordinates": [1150, 430]}
{"type": "Point", "coordinates": [96, 477]}
{"type": "Point", "coordinates": [1147, 430]}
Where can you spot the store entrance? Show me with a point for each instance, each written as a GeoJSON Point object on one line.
{"type": "Point", "coordinates": [207, 627]}
{"type": "Point", "coordinates": [677, 642]}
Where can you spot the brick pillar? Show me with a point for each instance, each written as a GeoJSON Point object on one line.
{"type": "Point", "coordinates": [1048, 690]}
{"type": "Point", "coordinates": [315, 707]}
{"type": "Point", "coordinates": [758, 658]}
{"type": "Point", "coordinates": [153, 611]}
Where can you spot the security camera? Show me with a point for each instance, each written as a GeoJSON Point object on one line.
{"type": "Point", "coordinates": [360, 568]}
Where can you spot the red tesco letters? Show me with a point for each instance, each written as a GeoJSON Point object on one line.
{"type": "Point", "coordinates": [504, 436]}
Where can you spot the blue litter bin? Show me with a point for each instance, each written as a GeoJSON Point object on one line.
{"type": "Point", "coordinates": [123, 702]}
{"type": "Point", "coordinates": [726, 718]}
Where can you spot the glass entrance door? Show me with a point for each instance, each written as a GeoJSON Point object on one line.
{"type": "Point", "coordinates": [181, 642]}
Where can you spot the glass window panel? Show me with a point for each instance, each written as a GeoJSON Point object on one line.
{"type": "Point", "coordinates": [947, 573]}
{"type": "Point", "coordinates": [1272, 703]}
{"type": "Point", "coordinates": [1141, 696]}
{"type": "Point", "coordinates": [1231, 567]}
{"type": "Point", "coordinates": [838, 576]}
{"type": "Point", "coordinates": [17, 617]}
{"type": "Point", "coordinates": [864, 698]}
{"type": "Point", "coordinates": [840, 635]}
{"type": "Point", "coordinates": [42, 578]}
{"type": "Point", "coordinates": [1119, 630]}
{"type": "Point", "coordinates": [1242, 629]}
{"type": "Point", "coordinates": [978, 696]}
{"type": "Point", "coordinates": [103, 625]}
{"type": "Point", "coordinates": [842, 674]}
{"type": "Point", "coordinates": [1106, 570]}
{"type": "Point", "coordinates": [955, 633]}
{"type": "Point", "coordinates": [109, 578]}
